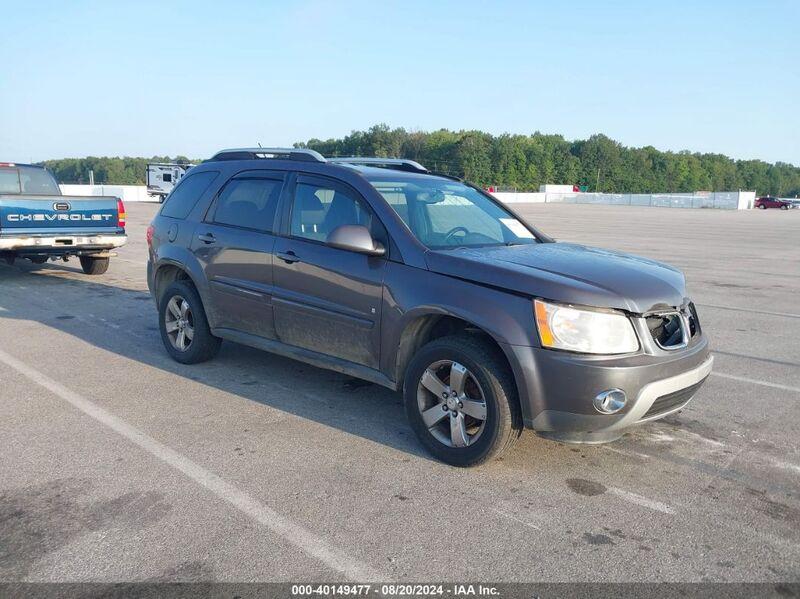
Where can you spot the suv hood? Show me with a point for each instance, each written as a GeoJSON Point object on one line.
{"type": "Point", "coordinates": [569, 273]}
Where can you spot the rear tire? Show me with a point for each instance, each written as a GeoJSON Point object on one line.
{"type": "Point", "coordinates": [458, 436]}
{"type": "Point", "coordinates": [183, 325]}
{"type": "Point", "coordinates": [94, 266]}
{"type": "Point", "coordinates": [762, 207]}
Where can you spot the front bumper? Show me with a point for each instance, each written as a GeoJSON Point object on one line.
{"type": "Point", "coordinates": [557, 388]}
{"type": "Point", "coordinates": [53, 244]}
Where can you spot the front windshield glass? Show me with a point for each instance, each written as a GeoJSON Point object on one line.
{"type": "Point", "coordinates": [445, 214]}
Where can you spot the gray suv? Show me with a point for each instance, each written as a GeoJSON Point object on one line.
{"type": "Point", "coordinates": [429, 286]}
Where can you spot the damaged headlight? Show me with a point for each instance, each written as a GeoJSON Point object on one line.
{"type": "Point", "coordinates": [586, 331]}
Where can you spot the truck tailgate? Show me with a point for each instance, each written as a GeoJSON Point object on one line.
{"type": "Point", "coordinates": [32, 215]}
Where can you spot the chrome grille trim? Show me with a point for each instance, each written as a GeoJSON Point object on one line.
{"type": "Point", "coordinates": [673, 329]}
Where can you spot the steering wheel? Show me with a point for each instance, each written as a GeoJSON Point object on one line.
{"type": "Point", "coordinates": [453, 231]}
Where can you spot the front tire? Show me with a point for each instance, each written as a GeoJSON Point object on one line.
{"type": "Point", "coordinates": [94, 266]}
{"type": "Point", "coordinates": [183, 325]}
{"type": "Point", "coordinates": [461, 400]}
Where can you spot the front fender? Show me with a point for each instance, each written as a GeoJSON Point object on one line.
{"type": "Point", "coordinates": [412, 295]}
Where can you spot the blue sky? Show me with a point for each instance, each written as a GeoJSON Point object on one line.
{"type": "Point", "coordinates": [145, 78]}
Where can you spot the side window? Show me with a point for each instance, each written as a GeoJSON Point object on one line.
{"type": "Point", "coordinates": [184, 197]}
{"type": "Point", "coordinates": [37, 181]}
{"type": "Point", "coordinates": [318, 209]}
{"type": "Point", "coordinates": [248, 203]}
{"type": "Point", "coordinates": [9, 180]}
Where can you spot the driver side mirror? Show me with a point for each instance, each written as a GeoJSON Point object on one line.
{"type": "Point", "coordinates": [355, 238]}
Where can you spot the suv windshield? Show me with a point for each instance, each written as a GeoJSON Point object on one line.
{"type": "Point", "coordinates": [446, 214]}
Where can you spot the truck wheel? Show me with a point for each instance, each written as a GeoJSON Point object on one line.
{"type": "Point", "coordinates": [184, 326]}
{"type": "Point", "coordinates": [461, 400]}
{"type": "Point", "coordinates": [93, 266]}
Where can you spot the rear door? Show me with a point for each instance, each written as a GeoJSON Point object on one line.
{"type": "Point", "coordinates": [235, 244]}
{"type": "Point", "coordinates": [326, 299]}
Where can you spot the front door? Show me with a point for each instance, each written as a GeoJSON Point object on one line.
{"type": "Point", "coordinates": [235, 245]}
{"type": "Point", "coordinates": [326, 299]}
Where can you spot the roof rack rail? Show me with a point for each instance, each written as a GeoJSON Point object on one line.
{"type": "Point", "coordinates": [400, 164]}
{"type": "Point", "coordinates": [300, 154]}
{"type": "Point", "coordinates": [446, 176]}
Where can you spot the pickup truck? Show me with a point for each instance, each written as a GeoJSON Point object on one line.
{"type": "Point", "coordinates": [38, 223]}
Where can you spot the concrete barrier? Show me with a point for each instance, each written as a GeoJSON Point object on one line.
{"type": "Point", "coordinates": [127, 193]}
{"type": "Point", "coordinates": [723, 200]}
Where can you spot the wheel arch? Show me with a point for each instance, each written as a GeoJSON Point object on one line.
{"type": "Point", "coordinates": [422, 326]}
{"type": "Point", "coordinates": [169, 270]}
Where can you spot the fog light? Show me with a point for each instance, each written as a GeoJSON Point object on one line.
{"type": "Point", "coordinates": [610, 402]}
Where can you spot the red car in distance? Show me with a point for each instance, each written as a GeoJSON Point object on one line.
{"type": "Point", "coordinates": [770, 202]}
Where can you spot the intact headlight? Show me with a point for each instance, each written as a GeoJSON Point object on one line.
{"type": "Point", "coordinates": [585, 331]}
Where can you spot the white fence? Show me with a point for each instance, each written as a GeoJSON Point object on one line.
{"type": "Point", "coordinates": [127, 193]}
{"type": "Point", "coordinates": [726, 200]}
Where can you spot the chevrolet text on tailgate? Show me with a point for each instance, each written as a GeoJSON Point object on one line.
{"type": "Point", "coordinates": [38, 223]}
{"type": "Point", "coordinates": [427, 285]}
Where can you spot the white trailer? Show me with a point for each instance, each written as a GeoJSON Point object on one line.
{"type": "Point", "coordinates": [161, 178]}
{"type": "Point", "coordinates": [555, 188]}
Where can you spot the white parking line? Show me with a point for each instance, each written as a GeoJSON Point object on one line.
{"type": "Point", "coordinates": [284, 527]}
{"type": "Point", "coordinates": [735, 309]}
{"type": "Point", "coordinates": [744, 379]}
{"type": "Point", "coordinates": [706, 440]}
{"type": "Point", "coordinates": [515, 519]}
{"type": "Point", "coordinates": [642, 501]}
{"type": "Point", "coordinates": [629, 453]}
{"type": "Point", "coordinates": [786, 465]}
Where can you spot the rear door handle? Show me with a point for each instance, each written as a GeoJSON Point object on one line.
{"type": "Point", "coordinates": [207, 238]}
{"type": "Point", "coordinates": [289, 257]}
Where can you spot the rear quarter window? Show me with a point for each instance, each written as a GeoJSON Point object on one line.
{"type": "Point", "coordinates": [9, 180]}
{"type": "Point", "coordinates": [185, 196]}
{"type": "Point", "coordinates": [37, 181]}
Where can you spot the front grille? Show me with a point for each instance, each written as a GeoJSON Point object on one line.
{"type": "Point", "coordinates": [666, 329]}
{"type": "Point", "coordinates": [670, 401]}
{"type": "Point", "coordinates": [673, 330]}
{"type": "Point", "coordinates": [694, 321]}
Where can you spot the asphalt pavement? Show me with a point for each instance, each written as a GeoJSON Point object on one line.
{"type": "Point", "coordinates": [119, 464]}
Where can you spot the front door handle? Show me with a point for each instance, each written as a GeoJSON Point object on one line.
{"type": "Point", "coordinates": [289, 257]}
{"type": "Point", "coordinates": [207, 238]}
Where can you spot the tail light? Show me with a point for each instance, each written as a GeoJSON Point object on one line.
{"type": "Point", "coordinates": [121, 215]}
{"type": "Point", "coordinates": [149, 235]}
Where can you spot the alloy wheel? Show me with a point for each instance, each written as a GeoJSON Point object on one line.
{"type": "Point", "coordinates": [452, 403]}
{"type": "Point", "coordinates": [179, 323]}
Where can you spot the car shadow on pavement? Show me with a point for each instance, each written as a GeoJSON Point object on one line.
{"type": "Point", "coordinates": [124, 321]}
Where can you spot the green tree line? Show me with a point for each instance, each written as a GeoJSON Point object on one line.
{"type": "Point", "coordinates": [520, 162]}
{"type": "Point", "coordinates": [523, 162]}
{"type": "Point", "coordinates": [107, 170]}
